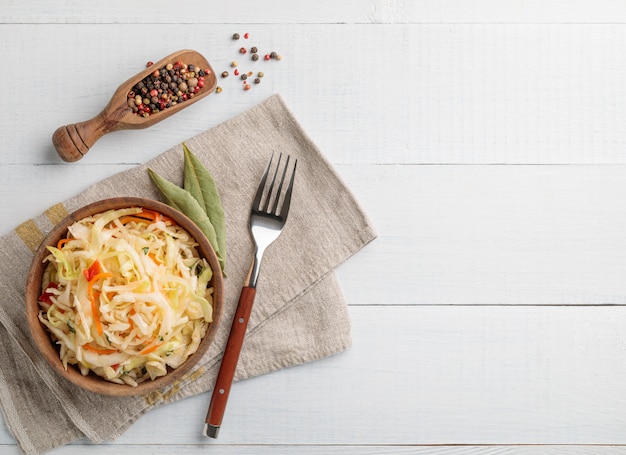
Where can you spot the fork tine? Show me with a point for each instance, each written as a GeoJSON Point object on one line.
{"type": "Point", "coordinates": [280, 186]}
{"type": "Point", "coordinates": [284, 210]}
{"type": "Point", "coordinates": [256, 204]}
{"type": "Point", "coordinates": [271, 189]}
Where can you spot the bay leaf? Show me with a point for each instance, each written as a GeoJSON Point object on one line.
{"type": "Point", "coordinates": [198, 181]}
{"type": "Point", "coordinates": [183, 201]}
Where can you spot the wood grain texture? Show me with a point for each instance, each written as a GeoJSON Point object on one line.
{"type": "Point", "coordinates": [403, 94]}
{"type": "Point", "coordinates": [322, 11]}
{"type": "Point", "coordinates": [447, 376]}
{"type": "Point", "coordinates": [485, 140]}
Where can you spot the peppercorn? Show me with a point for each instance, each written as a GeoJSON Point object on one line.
{"type": "Point", "coordinates": [278, 57]}
{"type": "Point", "coordinates": [260, 74]}
{"type": "Point", "coordinates": [242, 50]}
{"type": "Point", "coordinates": [266, 56]}
{"type": "Point", "coordinates": [246, 35]}
{"type": "Point", "coordinates": [255, 57]}
{"type": "Point", "coordinates": [257, 80]}
{"type": "Point", "coordinates": [246, 87]}
{"type": "Point", "coordinates": [236, 36]}
{"type": "Point", "coordinates": [273, 55]}
{"type": "Point", "coordinates": [254, 49]}
{"type": "Point", "coordinates": [244, 77]}
{"type": "Point", "coordinates": [149, 64]}
{"type": "Point", "coordinates": [233, 63]}
{"type": "Point", "coordinates": [236, 72]}
{"type": "Point", "coordinates": [218, 89]}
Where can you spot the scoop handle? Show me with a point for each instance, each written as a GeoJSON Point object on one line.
{"type": "Point", "coordinates": [73, 141]}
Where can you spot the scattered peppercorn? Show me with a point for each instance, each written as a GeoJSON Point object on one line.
{"type": "Point", "coordinates": [218, 89]}
{"type": "Point", "coordinates": [255, 57]}
{"type": "Point", "coordinates": [236, 36]}
{"type": "Point", "coordinates": [254, 49]}
{"type": "Point", "coordinates": [224, 73]}
{"type": "Point", "coordinates": [149, 64]}
{"type": "Point", "coordinates": [244, 77]}
{"type": "Point", "coordinates": [242, 50]}
{"type": "Point", "coordinates": [247, 87]}
{"type": "Point", "coordinates": [266, 56]}
{"type": "Point", "coordinates": [257, 80]}
{"type": "Point", "coordinates": [278, 57]}
{"type": "Point", "coordinates": [233, 63]}
{"type": "Point", "coordinates": [260, 74]}
{"type": "Point", "coordinates": [246, 35]}
{"type": "Point", "coordinates": [273, 55]}
{"type": "Point", "coordinates": [236, 72]}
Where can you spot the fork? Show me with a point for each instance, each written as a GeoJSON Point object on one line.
{"type": "Point", "coordinates": [266, 224]}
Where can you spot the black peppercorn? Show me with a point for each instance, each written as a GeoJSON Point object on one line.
{"type": "Point", "coordinates": [236, 36]}
{"type": "Point", "coordinates": [225, 74]}
{"type": "Point", "coordinates": [255, 57]}
{"type": "Point", "coordinates": [257, 80]}
{"type": "Point", "coordinates": [254, 50]}
{"type": "Point", "coordinates": [244, 77]}
{"type": "Point", "coordinates": [273, 55]}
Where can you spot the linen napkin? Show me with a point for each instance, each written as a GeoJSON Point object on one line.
{"type": "Point", "coordinates": [299, 313]}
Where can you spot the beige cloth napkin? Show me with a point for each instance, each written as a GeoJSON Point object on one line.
{"type": "Point", "coordinates": [299, 314]}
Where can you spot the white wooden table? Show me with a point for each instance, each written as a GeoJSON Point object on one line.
{"type": "Point", "coordinates": [487, 142]}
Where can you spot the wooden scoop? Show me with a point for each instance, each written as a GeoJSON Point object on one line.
{"type": "Point", "coordinates": [73, 141]}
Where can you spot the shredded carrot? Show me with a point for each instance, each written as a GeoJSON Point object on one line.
{"type": "Point", "coordinates": [96, 312]}
{"type": "Point", "coordinates": [137, 219]}
{"type": "Point", "coordinates": [149, 349]}
{"type": "Point", "coordinates": [62, 242]}
{"type": "Point", "coordinates": [147, 216]}
{"type": "Point", "coordinates": [154, 258]}
{"type": "Point", "coordinates": [130, 321]}
{"type": "Point", "coordinates": [93, 298]}
{"type": "Point", "coordinates": [97, 350]}
{"type": "Point", "coordinates": [156, 216]}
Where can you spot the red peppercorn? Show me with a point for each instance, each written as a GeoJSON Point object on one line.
{"type": "Point", "coordinates": [266, 57]}
{"type": "Point", "coordinates": [246, 87]}
{"type": "Point", "coordinates": [154, 92]}
{"type": "Point", "coordinates": [149, 64]}
{"type": "Point", "coordinates": [200, 84]}
{"type": "Point", "coordinates": [242, 50]}
{"type": "Point", "coordinates": [236, 72]}
{"type": "Point", "coordinates": [246, 35]}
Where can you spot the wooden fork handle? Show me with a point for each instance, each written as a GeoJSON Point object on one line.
{"type": "Point", "coordinates": [229, 362]}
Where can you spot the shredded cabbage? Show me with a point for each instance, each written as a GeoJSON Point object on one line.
{"type": "Point", "coordinates": [126, 295]}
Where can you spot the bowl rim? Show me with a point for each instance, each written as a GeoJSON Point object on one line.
{"type": "Point", "coordinates": [41, 336]}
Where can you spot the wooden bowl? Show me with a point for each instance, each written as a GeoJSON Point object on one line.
{"type": "Point", "coordinates": [42, 337]}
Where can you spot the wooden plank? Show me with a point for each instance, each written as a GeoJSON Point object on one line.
{"type": "Point", "coordinates": [329, 450]}
{"type": "Point", "coordinates": [490, 235]}
{"type": "Point", "coordinates": [404, 94]}
{"type": "Point", "coordinates": [430, 376]}
{"type": "Point", "coordinates": [323, 11]}
{"type": "Point", "coordinates": [454, 235]}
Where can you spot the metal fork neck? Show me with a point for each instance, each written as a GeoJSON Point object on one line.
{"type": "Point", "coordinates": [255, 268]}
